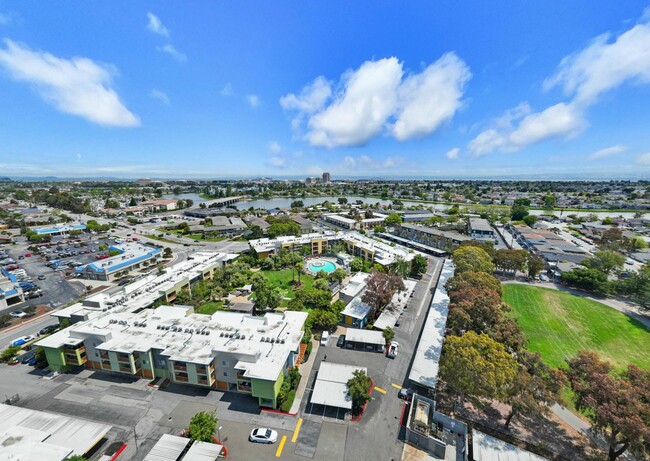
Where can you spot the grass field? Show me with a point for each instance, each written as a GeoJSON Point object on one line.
{"type": "Point", "coordinates": [282, 280]}
{"type": "Point", "coordinates": [210, 308]}
{"type": "Point", "coordinates": [559, 324]}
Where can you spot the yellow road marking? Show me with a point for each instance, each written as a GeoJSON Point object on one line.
{"type": "Point", "coordinates": [296, 431]}
{"type": "Point", "coordinates": [379, 389]}
{"type": "Point", "coordinates": [396, 386]}
{"type": "Point", "coordinates": [279, 452]}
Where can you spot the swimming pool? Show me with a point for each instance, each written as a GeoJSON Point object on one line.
{"type": "Point", "coordinates": [320, 265]}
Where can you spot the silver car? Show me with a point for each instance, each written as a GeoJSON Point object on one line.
{"type": "Point", "coordinates": [263, 435]}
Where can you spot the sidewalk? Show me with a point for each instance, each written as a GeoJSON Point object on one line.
{"type": "Point", "coordinates": [305, 372]}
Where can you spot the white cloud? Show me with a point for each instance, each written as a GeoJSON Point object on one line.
{"type": "Point", "coordinates": [430, 98]}
{"type": "Point", "coordinates": [156, 26]}
{"type": "Point", "coordinates": [78, 156]}
{"type": "Point", "coordinates": [584, 76]}
{"type": "Point", "coordinates": [227, 90]}
{"type": "Point", "coordinates": [605, 65]}
{"type": "Point", "coordinates": [77, 86]}
{"type": "Point", "coordinates": [558, 121]}
{"type": "Point", "coordinates": [453, 153]}
{"type": "Point", "coordinates": [359, 111]}
{"type": "Point", "coordinates": [607, 152]}
{"type": "Point", "coordinates": [274, 147]}
{"type": "Point", "coordinates": [644, 159]}
{"type": "Point", "coordinates": [160, 96]}
{"type": "Point", "coordinates": [375, 99]}
{"type": "Point", "coordinates": [312, 98]}
{"type": "Point", "coordinates": [173, 52]}
{"type": "Point", "coordinates": [253, 100]}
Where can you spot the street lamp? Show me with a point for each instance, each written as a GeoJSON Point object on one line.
{"type": "Point", "coordinates": [219, 434]}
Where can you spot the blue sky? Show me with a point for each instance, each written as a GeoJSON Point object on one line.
{"type": "Point", "coordinates": [234, 89]}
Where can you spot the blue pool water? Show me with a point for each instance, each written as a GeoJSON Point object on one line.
{"type": "Point", "coordinates": [317, 266]}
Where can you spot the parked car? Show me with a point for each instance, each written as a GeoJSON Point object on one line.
{"type": "Point", "coordinates": [263, 435]}
{"type": "Point", "coordinates": [324, 337]}
{"type": "Point", "coordinates": [41, 277]}
{"type": "Point", "coordinates": [48, 329]}
{"type": "Point", "coordinates": [405, 394]}
{"type": "Point", "coordinates": [21, 341]}
{"type": "Point", "coordinates": [26, 357]}
{"type": "Point", "coordinates": [341, 341]}
{"type": "Point", "coordinates": [543, 278]}
{"type": "Point", "coordinates": [392, 349]}
{"type": "Point", "coordinates": [18, 314]}
{"type": "Point", "coordinates": [28, 255]}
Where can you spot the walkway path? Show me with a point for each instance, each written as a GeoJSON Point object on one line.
{"type": "Point", "coordinates": [305, 372]}
{"type": "Point", "coordinates": [622, 306]}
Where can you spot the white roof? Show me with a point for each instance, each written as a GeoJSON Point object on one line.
{"type": "Point", "coordinates": [389, 316]}
{"type": "Point", "coordinates": [425, 361]}
{"type": "Point", "coordinates": [356, 309]}
{"type": "Point", "coordinates": [73, 435]}
{"type": "Point", "coordinates": [358, 335]}
{"type": "Point", "coordinates": [355, 285]}
{"type": "Point", "coordinates": [331, 386]}
{"type": "Point", "coordinates": [203, 451]}
{"type": "Point", "coordinates": [167, 448]}
{"type": "Point", "coordinates": [488, 448]}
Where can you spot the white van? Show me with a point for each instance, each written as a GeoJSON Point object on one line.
{"type": "Point", "coordinates": [324, 337]}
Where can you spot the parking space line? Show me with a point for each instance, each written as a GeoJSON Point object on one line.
{"type": "Point", "coordinates": [278, 453]}
{"type": "Point", "coordinates": [379, 389]}
{"type": "Point", "coordinates": [396, 386]}
{"type": "Point", "coordinates": [296, 431]}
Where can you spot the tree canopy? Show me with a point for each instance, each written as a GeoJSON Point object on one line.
{"type": "Point", "coordinates": [474, 259]}
{"type": "Point", "coordinates": [202, 427]}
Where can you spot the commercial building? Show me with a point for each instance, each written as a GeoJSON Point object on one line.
{"type": "Point", "coordinates": [326, 178]}
{"type": "Point", "coordinates": [227, 351]}
{"type": "Point", "coordinates": [59, 229]}
{"type": "Point", "coordinates": [132, 255]}
{"type": "Point", "coordinates": [549, 246]}
{"type": "Point", "coordinates": [10, 291]}
{"type": "Point", "coordinates": [436, 238]}
{"type": "Point", "coordinates": [221, 225]}
{"type": "Point", "coordinates": [31, 435]}
{"type": "Point", "coordinates": [481, 229]}
{"type": "Point", "coordinates": [160, 205]}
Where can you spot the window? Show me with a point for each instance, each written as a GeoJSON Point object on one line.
{"type": "Point", "coordinates": [224, 363]}
{"type": "Point", "coordinates": [225, 373]}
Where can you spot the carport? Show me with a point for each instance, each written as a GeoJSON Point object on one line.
{"type": "Point", "coordinates": [368, 340]}
{"type": "Point", "coordinates": [331, 388]}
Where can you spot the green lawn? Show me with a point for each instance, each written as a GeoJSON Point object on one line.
{"type": "Point", "coordinates": [559, 324]}
{"type": "Point", "coordinates": [282, 279]}
{"type": "Point", "coordinates": [209, 308]}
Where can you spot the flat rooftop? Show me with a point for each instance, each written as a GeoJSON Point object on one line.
{"type": "Point", "coordinates": [331, 388]}
{"type": "Point", "coordinates": [130, 253]}
{"type": "Point", "coordinates": [424, 370]}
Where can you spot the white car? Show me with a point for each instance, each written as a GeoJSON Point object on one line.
{"type": "Point", "coordinates": [263, 435]}
{"type": "Point", "coordinates": [324, 337]}
{"type": "Point", "coordinates": [22, 340]}
{"type": "Point", "coordinates": [18, 314]}
{"type": "Point", "coordinates": [392, 349]}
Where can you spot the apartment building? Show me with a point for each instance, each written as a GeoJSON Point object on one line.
{"type": "Point", "coordinates": [436, 238]}
{"type": "Point", "coordinates": [481, 229]}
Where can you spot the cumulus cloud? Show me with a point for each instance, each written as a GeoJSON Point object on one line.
{"type": "Point", "coordinates": [430, 98]}
{"type": "Point", "coordinates": [607, 152]}
{"type": "Point", "coordinates": [253, 100]}
{"type": "Point", "coordinates": [376, 98]}
{"type": "Point", "coordinates": [605, 64]}
{"type": "Point", "coordinates": [311, 99]}
{"type": "Point", "coordinates": [277, 162]}
{"type": "Point", "coordinates": [156, 26]}
{"type": "Point", "coordinates": [160, 96]}
{"type": "Point", "coordinates": [274, 147]}
{"type": "Point", "coordinates": [173, 52]}
{"type": "Point", "coordinates": [602, 66]}
{"type": "Point", "coordinates": [518, 129]}
{"type": "Point", "coordinates": [77, 86]}
{"type": "Point", "coordinates": [644, 159]}
{"type": "Point", "coordinates": [453, 153]}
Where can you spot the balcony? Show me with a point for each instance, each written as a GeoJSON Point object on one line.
{"type": "Point", "coordinates": [203, 382]}
{"type": "Point", "coordinates": [180, 367]}
{"type": "Point", "coordinates": [106, 365]}
{"type": "Point", "coordinates": [180, 378]}
{"type": "Point", "coordinates": [126, 359]}
{"type": "Point", "coordinates": [125, 369]}
{"type": "Point", "coordinates": [103, 355]}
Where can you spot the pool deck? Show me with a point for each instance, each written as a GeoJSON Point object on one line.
{"type": "Point", "coordinates": [314, 262]}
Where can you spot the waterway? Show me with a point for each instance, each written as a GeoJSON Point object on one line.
{"type": "Point", "coordinates": [268, 204]}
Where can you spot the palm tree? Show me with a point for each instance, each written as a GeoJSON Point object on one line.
{"type": "Point", "coordinates": [301, 270]}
